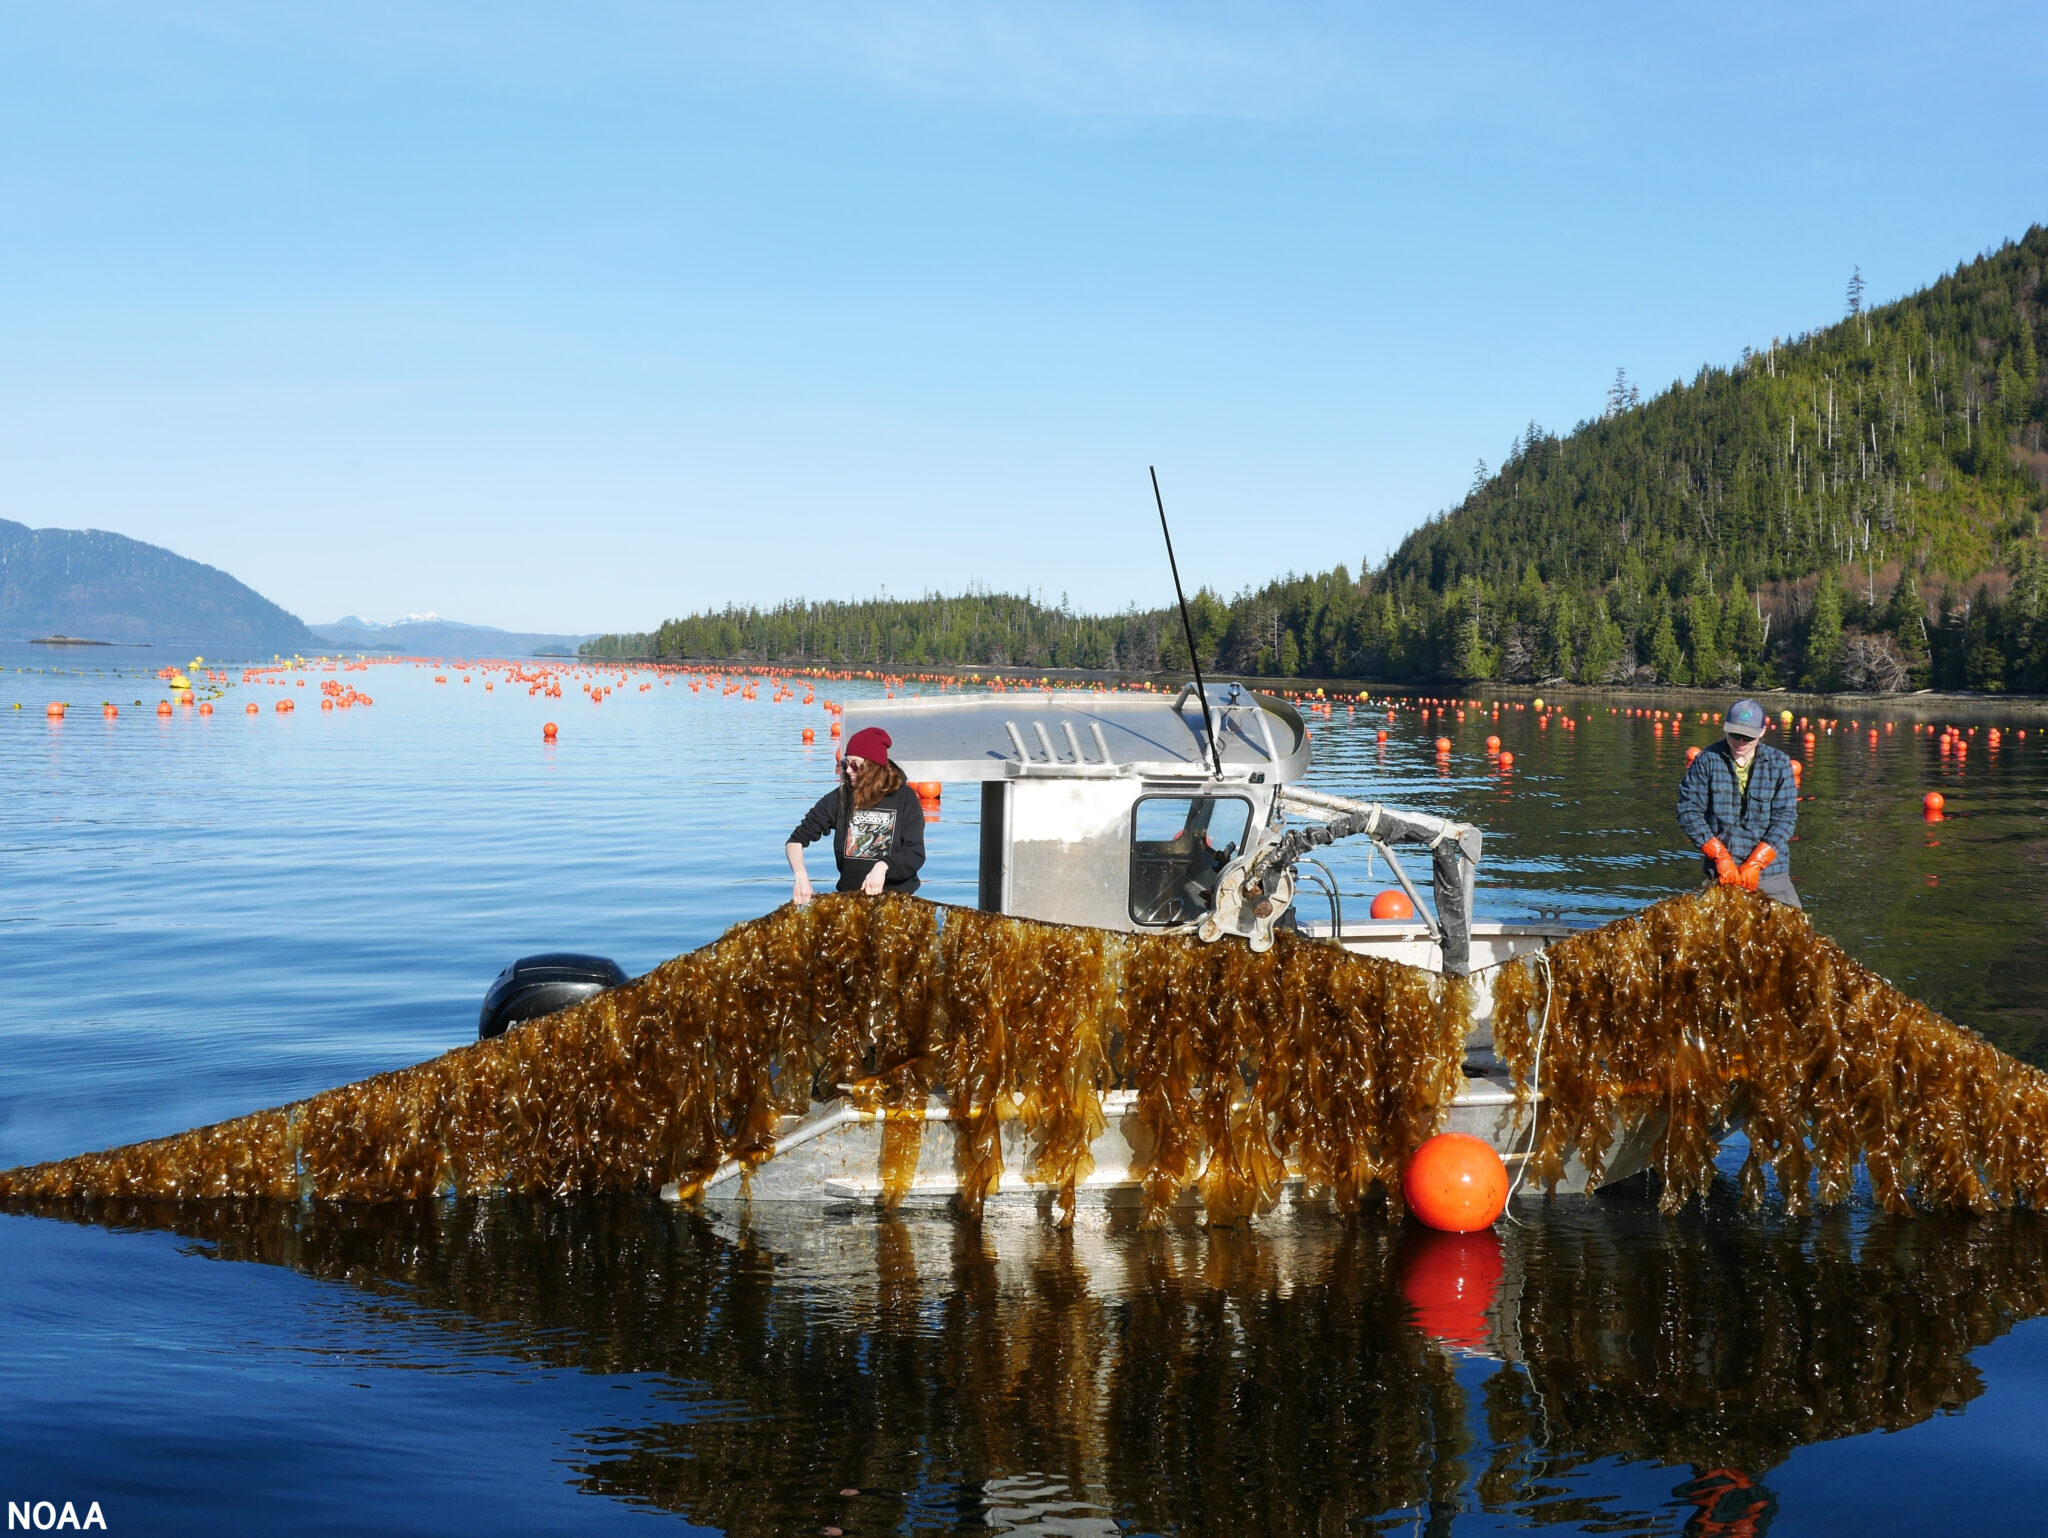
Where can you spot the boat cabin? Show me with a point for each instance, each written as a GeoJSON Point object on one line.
{"type": "Point", "coordinates": [1134, 812]}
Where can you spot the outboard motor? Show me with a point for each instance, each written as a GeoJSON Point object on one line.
{"type": "Point", "coordinates": [539, 985]}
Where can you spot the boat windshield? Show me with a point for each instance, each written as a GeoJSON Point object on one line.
{"type": "Point", "coordinates": [1179, 846]}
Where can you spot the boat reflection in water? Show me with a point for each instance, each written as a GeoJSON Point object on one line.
{"type": "Point", "coordinates": [878, 1374]}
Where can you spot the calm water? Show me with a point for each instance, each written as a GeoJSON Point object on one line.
{"type": "Point", "coordinates": [203, 916]}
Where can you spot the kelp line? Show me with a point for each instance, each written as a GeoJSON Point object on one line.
{"type": "Point", "coordinates": [1242, 1064]}
{"type": "Point", "coordinates": [1719, 1009]}
{"type": "Point", "coordinates": [1707, 1010]}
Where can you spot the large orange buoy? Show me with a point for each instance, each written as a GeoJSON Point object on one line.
{"type": "Point", "coordinates": [1934, 801]}
{"type": "Point", "coordinates": [206, 709]}
{"type": "Point", "coordinates": [54, 710]}
{"type": "Point", "coordinates": [163, 707]}
{"type": "Point", "coordinates": [1691, 754]}
{"type": "Point", "coordinates": [548, 731]}
{"type": "Point", "coordinates": [1443, 744]}
{"type": "Point", "coordinates": [109, 712]}
{"type": "Point", "coordinates": [1507, 760]}
{"type": "Point", "coordinates": [1392, 904]}
{"type": "Point", "coordinates": [1493, 744]}
{"type": "Point", "coordinates": [1456, 1183]}
{"type": "Point", "coordinates": [250, 707]}
{"type": "Point", "coordinates": [809, 735]}
{"type": "Point", "coordinates": [1450, 1281]}
{"type": "Point", "coordinates": [927, 790]}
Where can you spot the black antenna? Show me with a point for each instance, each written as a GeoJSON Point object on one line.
{"type": "Point", "coordinates": [1188, 626]}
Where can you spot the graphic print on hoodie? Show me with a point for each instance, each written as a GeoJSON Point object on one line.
{"type": "Point", "coordinates": [871, 833]}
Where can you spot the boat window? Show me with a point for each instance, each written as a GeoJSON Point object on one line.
{"type": "Point", "coordinates": [1179, 846]}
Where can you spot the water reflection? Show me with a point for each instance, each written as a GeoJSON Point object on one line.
{"type": "Point", "coordinates": [1315, 1374]}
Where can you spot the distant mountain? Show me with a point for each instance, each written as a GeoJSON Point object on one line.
{"type": "Point", "coordinates": [430, 635]}
{"type": "Point", "coordinates": [107, 587]}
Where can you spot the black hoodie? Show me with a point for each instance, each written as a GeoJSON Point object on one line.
{"type": "Point", "coordinates": [892, 831]}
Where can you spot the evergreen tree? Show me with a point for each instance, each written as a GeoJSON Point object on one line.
{"type": "Point", "coordinates": [1665, 656]}
{"type": "Point", "coordinates": [1604, 646]}
{"type": "Point", "coordinates": [1823, 651]}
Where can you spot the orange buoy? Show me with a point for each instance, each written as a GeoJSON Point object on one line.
{"type": "Point", "coordinates": [1450, 1281]}
{"type": "Point", "coordinates": [809, 735]}
{"type": "Point", "coordinates": [251, 707]}
{"type": "Point", "coordinates": [1507, 760]}
{"type": "Point", "coordinates": [1691, 754]}
{"type": "Point", "coordinates": [1443, 744]}
{"type": "Point", "coordinates": [1798, 769]}
{"type": "Point", "coordinates": [835, 728]}
{"type": "Point", "coordinates": [109, 712]}
{"type": "Point", "coordinates": [1383, 734]}
{"type": "Point", "coordinates": [54, 710]}
{"type": "Point", "coordinates": [1456, 1183]}
{"type": "Point", "coordinates": [548, 732]}
{"type": "Point", "coordinates": [1934, 801]}
{"type": "Point", "coordinates": [1493, 744]}
{"type": "Point", "coordinates": [927, 790]}
{"type": "Point", "coordinates": [163, 707]}
{"type": "Point", "coordinates": [1392, 904]}
{"type": "Point", "coordinates": [206, 709]}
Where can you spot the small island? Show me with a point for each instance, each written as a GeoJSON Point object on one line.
{"type": "Point", "coordinates": [65, 640]}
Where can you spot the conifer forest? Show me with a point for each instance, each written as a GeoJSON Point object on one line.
{"type": "Point", "coordinates": [1854, 508]}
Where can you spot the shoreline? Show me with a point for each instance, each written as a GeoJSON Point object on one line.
{"type": "Point", "coordinates": [1802, 701]}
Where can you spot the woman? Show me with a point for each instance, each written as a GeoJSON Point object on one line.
{"type": "Point", "coordinates": [876, 821]}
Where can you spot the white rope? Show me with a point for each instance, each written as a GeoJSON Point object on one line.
{"type": "Point", "coordinates": [1542, 960]}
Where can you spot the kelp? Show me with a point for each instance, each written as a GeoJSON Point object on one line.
{"type": "Point", "coordinates": [1721, 1009]}
{"type": "Point", "coordinates": [1706, 1011]}
{"type": "Point", "coordinates": [1240, 1063]}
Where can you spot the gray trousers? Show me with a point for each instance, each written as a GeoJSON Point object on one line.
{"type": "Point", "coordinates": [1776, 884]}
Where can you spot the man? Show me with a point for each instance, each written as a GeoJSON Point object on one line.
{"type": "Point", "coordinates": [876, 823]}
{"type": "Point", "coordinates": [1738, 802]}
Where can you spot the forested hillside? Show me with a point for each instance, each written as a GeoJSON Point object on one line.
{"type": "Point", "coordinates": [1854, 507]}
{"type": "Point", "coordinates": [108, 587]}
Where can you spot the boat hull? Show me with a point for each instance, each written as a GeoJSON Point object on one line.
{"type": "Point", "coordinates": [835, 1155]}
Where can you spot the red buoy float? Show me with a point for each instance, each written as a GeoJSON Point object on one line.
{"type": "Point", "coordinates": [1933, 801]}
{"type": "Point", "coordinates": [1456, 1183]}
{"type": "Point", "coordinates": [1392, 904]}
{"type": "Point", "coordinates": [548, 732]}
{"type": "Point", "coordinates": [1443, 745]}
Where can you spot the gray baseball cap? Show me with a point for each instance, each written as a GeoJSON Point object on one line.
{"type": "Point", "coordinates": [1745, 718]}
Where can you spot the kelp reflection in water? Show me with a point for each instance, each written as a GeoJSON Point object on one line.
{"type": "Point", "coordinates": [1181, 1379]}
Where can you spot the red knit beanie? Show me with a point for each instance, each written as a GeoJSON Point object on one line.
{"type": "Point", "coordinates": [871, 743]}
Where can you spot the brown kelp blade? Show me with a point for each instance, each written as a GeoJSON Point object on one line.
{"type": "Point", "coordinates": [1241, 1062]}
{"type": "Point", "coordinates": [1719, 1009]}
{"type": "Point", "coordinates": [1707, 1010]}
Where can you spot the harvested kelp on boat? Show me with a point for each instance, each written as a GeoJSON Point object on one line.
{"type": "Point", "coordinates": [1233, 1072]}
{"type": "Point", "coordinates": [1238, 1061]}
{"type": "Point", "coordinates": [1718, 1008]}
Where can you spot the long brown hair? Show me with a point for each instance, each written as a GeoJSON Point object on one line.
{"type": "Point", "coordinates": [872, 781]}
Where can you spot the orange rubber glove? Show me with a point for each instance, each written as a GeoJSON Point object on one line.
{"type": "Point", "coordinates": [1753, 866]}
{"type": "Point", "coordinates": [1724, 862]}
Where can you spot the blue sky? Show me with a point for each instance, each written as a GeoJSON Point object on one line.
{"type": "Point", "coordinates": [574, 317]}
